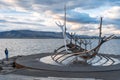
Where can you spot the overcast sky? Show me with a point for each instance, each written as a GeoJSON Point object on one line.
{"type": "Point", "coordinates": [83, 16]}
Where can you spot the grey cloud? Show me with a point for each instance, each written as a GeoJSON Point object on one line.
{"type": "Point", "coordinates": [2, 25]}
{"type": "Point", "coordinates": [57, 5]}
{"type": "Point", "coordinates": [114, 2]}
{"type": "Point", "coordinates": [20, 23]}
{"type": "Point", "coordinates": [86, 28]}
{"type": "Point", "coordinates": [115, 22]}
{"type": "Point", "coordinates": [85, 4]}
{"type": "Point", "coordinates": [81, 18]}
{"type": "Point", "coordinates": [3, 21]}
{"type": "Point", "coordinates": [26, 4]}
{"type": "Point", "coordinates": [26, 23]}
{"type": "Point", "coordinates": [47, 2]}
{"type": "Point", "coordinates": [2, 3]}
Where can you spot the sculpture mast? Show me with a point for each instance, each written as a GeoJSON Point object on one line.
{"type": "Point", "coordinates": [100, 29]}
{"type": "Point", "coordinates": [63, 28]}
{"type": "Point", "coordinates": [65, 37]}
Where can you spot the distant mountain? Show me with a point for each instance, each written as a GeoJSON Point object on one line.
{"type": "Point", "coordinates": [29, 34]}
{"type": "Point", "coordinates": [39, 34]}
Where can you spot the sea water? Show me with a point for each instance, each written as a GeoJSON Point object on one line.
{"type": "Point", "coordinates": [36, 46]}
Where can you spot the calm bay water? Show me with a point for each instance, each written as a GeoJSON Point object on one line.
{"type": "Point", "coordinates": [35, 46]}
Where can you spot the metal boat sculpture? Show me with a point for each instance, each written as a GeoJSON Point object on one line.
{"type": "Point", "coordinates": [72, 47]}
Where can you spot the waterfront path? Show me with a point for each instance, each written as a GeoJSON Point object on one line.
{"type": "Point", "coordinates": [39, 74]}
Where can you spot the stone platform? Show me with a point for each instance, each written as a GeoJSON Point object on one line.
{"type": "Point", "coordinates": [33, 62]}
{"type": "Point", "coordinates": [33, 67]}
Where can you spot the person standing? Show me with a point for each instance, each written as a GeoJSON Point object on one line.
{"type": "Point", "coordinates": [6, 53]}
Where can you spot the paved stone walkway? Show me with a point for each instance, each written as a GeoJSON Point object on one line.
{"type": "Point", "coordinates": [21, 77]}
{"type": "Point", "coordinates": [27, 73]}
{"type": "Point", "coordinates": [111, 74]}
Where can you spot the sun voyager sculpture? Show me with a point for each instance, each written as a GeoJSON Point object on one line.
{"type": "Point", "coordinates": [73, 52]}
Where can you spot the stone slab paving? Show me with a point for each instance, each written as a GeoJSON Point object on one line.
{"type": "Point", "coordinates": [21, 77]}
{"type": "Point", "coordinates": [41, 74]}
{"type": "Point", "coordinates": [111, 75]}
{"type": "Point", "coordinates": [15, 77]}
{"type": "Point", "coordinates": [32, 61]}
